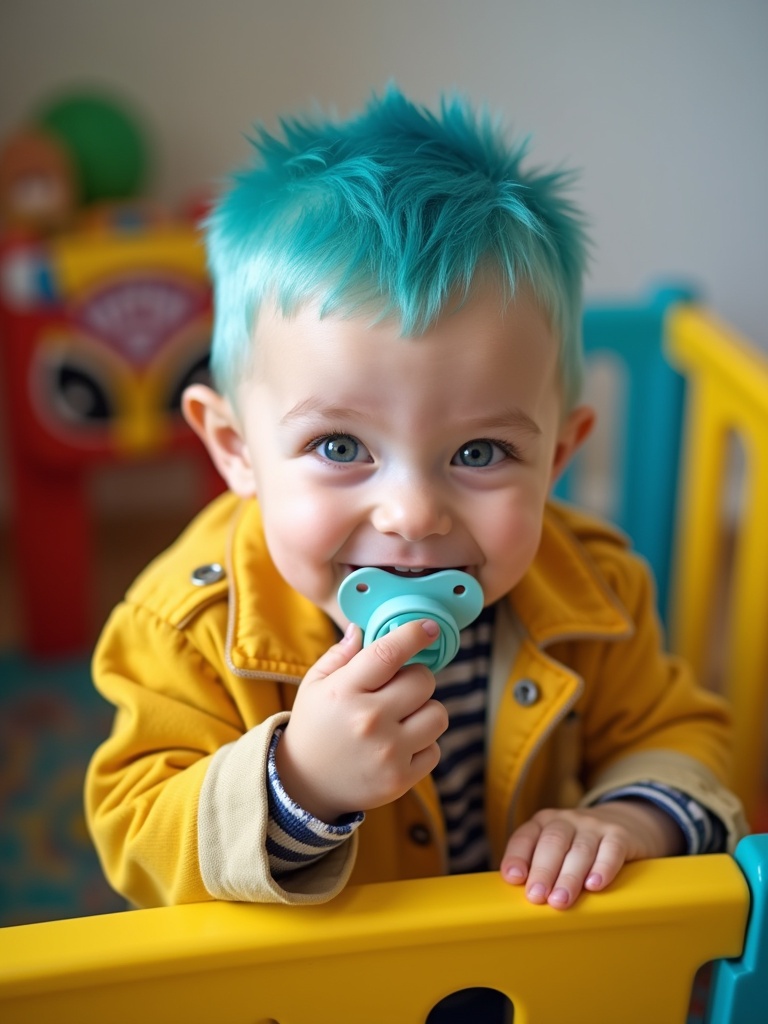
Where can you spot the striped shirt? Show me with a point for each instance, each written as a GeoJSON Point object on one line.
{"type": "Point", "coordinates": [295, 838]}
{"type": "Point", "coordinates": [460, 776]}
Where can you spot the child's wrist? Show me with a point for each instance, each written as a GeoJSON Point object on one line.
{"type": "Point", "coordinates": [299, 789]}
{"type": "Point", "coordinates": [665, 835]}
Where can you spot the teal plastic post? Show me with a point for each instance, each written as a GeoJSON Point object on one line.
{"type": "Point", "coordinates": [739, 993]}
{"type": "Point", "coordinates": [648, 436]}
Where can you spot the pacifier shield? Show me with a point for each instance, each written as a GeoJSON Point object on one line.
{"type": "Point", "coordinates": [380, 601]}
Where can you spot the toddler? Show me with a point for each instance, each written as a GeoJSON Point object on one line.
{"type": "Point", "coordinates": [397, 370]}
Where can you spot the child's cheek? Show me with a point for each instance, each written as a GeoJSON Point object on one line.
{"type": "Point", "coordinates": [303, 537]}
{"type": "Point", "coordinates": [511, 542]}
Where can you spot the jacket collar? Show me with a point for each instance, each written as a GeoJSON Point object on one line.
{"type": "Point", "coordinates": [274, 631]}
{"type": "Point", "coordinates": [564, 595]}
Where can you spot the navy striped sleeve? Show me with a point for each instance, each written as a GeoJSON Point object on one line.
{"type": "Point", "coordinates": [295, 838]}
{"type": "Point", "coordinates": [703, 830]}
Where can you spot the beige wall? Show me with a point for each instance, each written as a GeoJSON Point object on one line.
{"type": "Point", "coordinates": [662, 102]}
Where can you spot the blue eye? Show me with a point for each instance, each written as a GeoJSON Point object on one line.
{"type": "Point", "coordinates": [340, 448]}
{"type": "Point", "coordinates": [478, 454]}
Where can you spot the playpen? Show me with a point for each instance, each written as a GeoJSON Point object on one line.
{"type": "Point", "coordinates": [387, 953]}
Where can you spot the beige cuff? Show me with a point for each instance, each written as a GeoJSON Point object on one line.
{"type": "Point", "coordinates": [232, 818]}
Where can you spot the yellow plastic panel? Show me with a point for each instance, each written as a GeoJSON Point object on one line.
{"type": "Point", "coordinates": [385, 954]}
{"type": "Point", "coordinates": [83, 259]}
{"type": "Point", "coordinates": [727, 393]}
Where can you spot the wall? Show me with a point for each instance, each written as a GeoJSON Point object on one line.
{"type": "Point", "coordinates": [661, 103]}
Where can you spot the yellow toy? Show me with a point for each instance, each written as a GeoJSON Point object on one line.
{"type": "Point", "coordinates": [102, 329]}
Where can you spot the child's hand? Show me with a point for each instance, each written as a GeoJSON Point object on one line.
{"type": "Point", "coordinates": [557, 853]}
{"type": "Point", "coordinates": [363, 729]}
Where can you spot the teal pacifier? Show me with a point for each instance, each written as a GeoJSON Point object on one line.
{"type": "Point", "coordinates": [379, 601]}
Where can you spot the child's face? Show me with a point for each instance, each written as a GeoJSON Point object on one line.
{"type": "Point", "coordinates": [367, 449]}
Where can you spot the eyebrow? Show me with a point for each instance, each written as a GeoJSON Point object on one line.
{"type": "Point", "coordinates": [515, 418]}
{"type": "Point", "coordinates": [316, 407]}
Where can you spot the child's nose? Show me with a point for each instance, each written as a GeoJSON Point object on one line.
{"type": "Point", "coordinates": [412, 512]}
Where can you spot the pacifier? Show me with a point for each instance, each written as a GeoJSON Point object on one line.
{"type": "Point", "coordinates": [379, 601]}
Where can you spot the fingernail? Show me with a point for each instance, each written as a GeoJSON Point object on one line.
{"type": "Point", "coordinates": [349, 633]}
{"type": "Point", "coordinates": [560, 895]}
{"type": "Point", "coordinates": [537, 891]}
{"type": "Point", "coordinates": [514, 874]}
{"type": "Point", "coordinates": [594, 881]}
{"type": "Point", "coordinates": [430, 628]}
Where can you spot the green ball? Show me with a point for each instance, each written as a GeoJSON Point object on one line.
{"type": "Point", "coordinates": [104, 141]}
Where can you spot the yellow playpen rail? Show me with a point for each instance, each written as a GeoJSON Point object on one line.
{"type": "Point", "coordinates": [726, 398]}
{"type": "Point", "coordinates": [386, 954]}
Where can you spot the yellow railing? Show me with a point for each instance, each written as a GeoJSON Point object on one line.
{"type": "Point", "coordinates": [386, 954]}
{"type": "Point", "coordinates": [727, 396]}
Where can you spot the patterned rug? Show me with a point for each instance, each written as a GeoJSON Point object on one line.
{"type": "Point", "coordinates": [51, 720]}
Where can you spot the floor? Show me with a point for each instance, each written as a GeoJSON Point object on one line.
{"type": "Point", "coordinates": [51, 720]}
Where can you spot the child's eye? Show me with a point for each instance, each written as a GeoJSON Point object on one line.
{"type": "Point", "coordinates": [481, 453]}
{"type": "Point", "coordinates": [340, 448]}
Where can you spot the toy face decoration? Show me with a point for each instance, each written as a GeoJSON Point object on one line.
{"type": "Point", "coordinates": [106, 332]}
{"type": "Point", "coordinates": [113, 374]}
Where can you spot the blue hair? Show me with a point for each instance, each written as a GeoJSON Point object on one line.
{"type": "Point", "coordinates": [394, 211]}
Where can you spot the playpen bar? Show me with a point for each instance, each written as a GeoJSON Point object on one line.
{"type": "Point", "coordinates": [698, 339]}
{"type": "Point", "coordinates": [746, 660]}
{"type": "Point", "coordinates": [697, 550]}
{"type": "Point", "coordinates": [387, 952]}
{"type": "Point", "coordinates": [728, 394]}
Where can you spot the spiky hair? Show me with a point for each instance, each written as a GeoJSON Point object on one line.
{"type": "Point", "coordinates": [393, 211]}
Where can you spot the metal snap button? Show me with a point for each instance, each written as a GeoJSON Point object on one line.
{"type": "Point", "coordinates": [526, 692]}
{"type": "Point", "coordinates": [420, 835]}
{"type": "Point", "coordinates": [204, 575]}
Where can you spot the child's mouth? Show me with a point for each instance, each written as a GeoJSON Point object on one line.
{"type": "Point", "coordinates": [408, 571]}
{"type": "Point", "coordinates": [404, 570]}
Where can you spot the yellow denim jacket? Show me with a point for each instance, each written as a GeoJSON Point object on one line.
{"type": "Point", "coordinates": [203, 657]}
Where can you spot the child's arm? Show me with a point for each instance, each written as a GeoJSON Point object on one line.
{"type": "Point", "coordinates": [648, 738]}
{"type": "Point", "coordinates": [177, 796]}
{"type": "Point", "coordinates": [559, 852]}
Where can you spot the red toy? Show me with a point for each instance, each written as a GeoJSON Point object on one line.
{"type": "Point", "coordinates": [100, 332]}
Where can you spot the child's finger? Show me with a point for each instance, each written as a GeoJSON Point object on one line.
{"type": "Point", "coordinates": [376, 664]}
{"type": "Point", "coordinates": [611, 856]}
{"type": "Point", "coordinates": [548, 858]}
{"type": "Point", "coordinates": [519, 852]}
{"type": "Point", "coordinates": [577, 865]}
{"type": "Point", "coordinates": [339, 655]}
{"type": "Point", "coordinates": [425, 761]}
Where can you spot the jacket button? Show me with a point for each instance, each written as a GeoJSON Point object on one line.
{"type": "Point", "coordinates": [526, 692]}
{"type": "Point", "coordinates": [420, 835]}
{"type": "Point", "coordinates": [204, 575]}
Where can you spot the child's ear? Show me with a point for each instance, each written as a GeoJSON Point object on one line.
{"type": "Point", "coordinates": [574, 431]}
{"type": "Point", "coordinates": [213, 419]}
